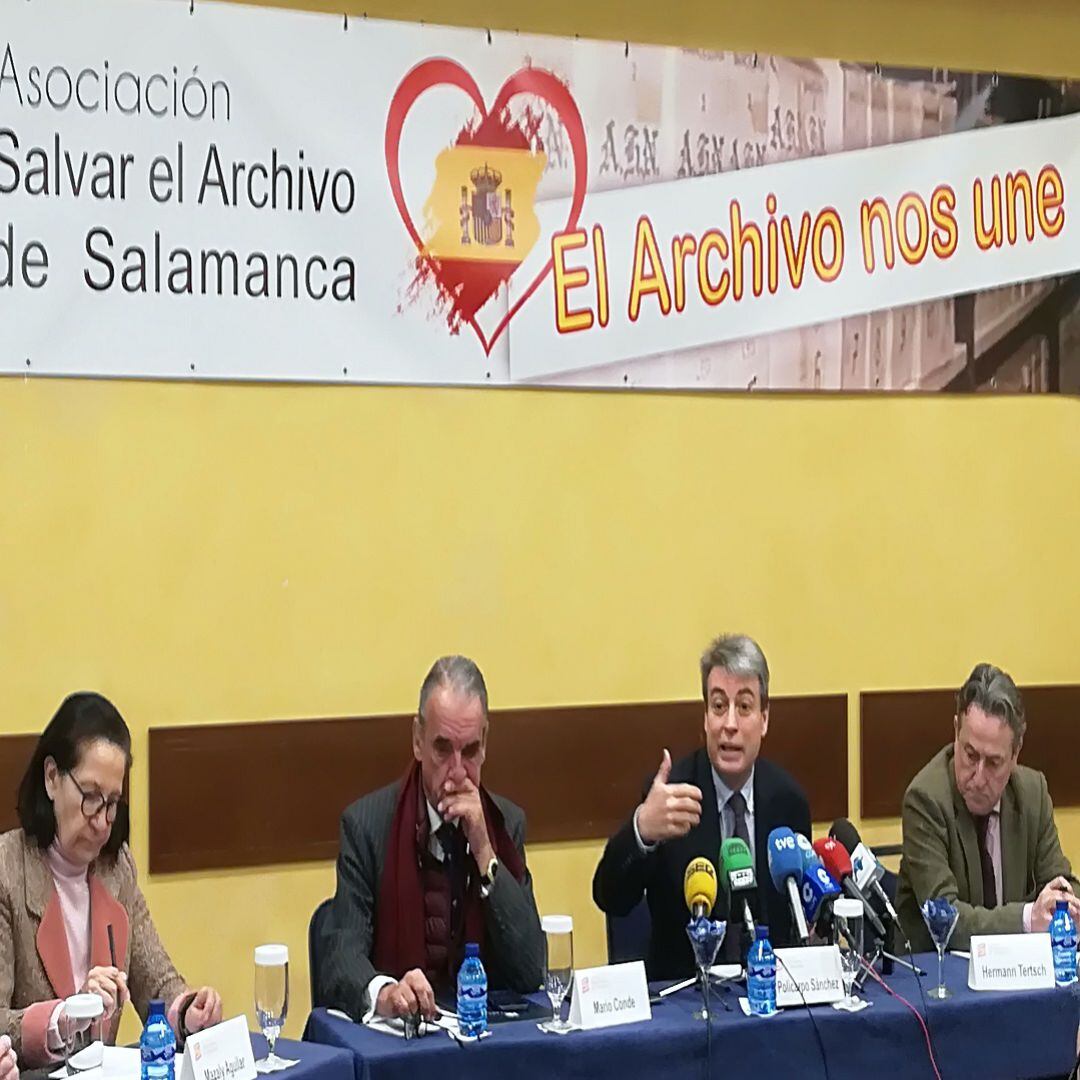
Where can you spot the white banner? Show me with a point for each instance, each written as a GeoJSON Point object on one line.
{"type": "Point", "coordinates": [220, 191]}
{"type": "Point", "coordinates": [725, 257]}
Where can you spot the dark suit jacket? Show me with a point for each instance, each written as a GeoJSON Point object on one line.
{"type": "Point", "coordinates": [514, 946]}
{"type": "Point", "coordinates": [625, 872]}
{"type": "Point", "coordinates": [941, 852]}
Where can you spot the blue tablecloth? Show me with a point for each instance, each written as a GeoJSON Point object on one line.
{"type": "Point", "coordinates": [316, 1062]}
{"type": "Point", "coordinates": [985, 1035]}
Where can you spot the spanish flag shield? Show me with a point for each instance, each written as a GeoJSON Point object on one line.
{"type": "Point", "coordinates": [480, 222]}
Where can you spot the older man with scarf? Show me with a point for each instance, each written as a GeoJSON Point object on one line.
{"type": "Point", "coordinates": [429, 863]}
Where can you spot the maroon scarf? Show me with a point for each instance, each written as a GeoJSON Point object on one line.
{"type": "Point", "coordinates": [400, 944]}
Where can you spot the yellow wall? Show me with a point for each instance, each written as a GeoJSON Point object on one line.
{"type": "Point", "coordinates": [206, 553]}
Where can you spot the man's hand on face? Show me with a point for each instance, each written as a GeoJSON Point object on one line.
{"type": "Point", "coordinates": [461, 802]}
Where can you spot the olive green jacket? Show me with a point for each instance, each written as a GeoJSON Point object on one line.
{"type": "Point", "coordinates": [941, 852]}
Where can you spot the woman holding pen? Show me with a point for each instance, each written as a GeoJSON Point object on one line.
{"type": "Point", "coordinates": [72, 916]}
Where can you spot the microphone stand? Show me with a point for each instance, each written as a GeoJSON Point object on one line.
{"type": "Point", "coordinates": [888, 960]}
{"type": "Point", "coordinates": [879, 953]}
{"type": "Point", "coordinates": [705, 936]}
{"type": "Point", "coordinates": [889, 952]}
{"type": "Point", "coordinates": [914, 969]}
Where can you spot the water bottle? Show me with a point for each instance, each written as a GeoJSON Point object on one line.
{"type": "Point", "coordinates": [157, 1045]}
{"type": "Point", "coordinates": [761, 975]}
{"type": "Point", "coordinates": [472, 994]}
{"type": "Point", "coordinates": [1063, 942]}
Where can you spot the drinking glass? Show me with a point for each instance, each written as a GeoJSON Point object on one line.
{"type": "Point", "coordinates": [706, 936]}
{"type": "Point", "coordinates": [848, 924]}
{"type": "Point", "coordinates": [558, 965]}
{"type": "Point", "coordinates": [271, 993]}
{"type": "Point", "coordinates": [940, 917]}
{"type": "Point", "coordinates": [79, 1025]}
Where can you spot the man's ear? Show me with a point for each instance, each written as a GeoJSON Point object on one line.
{"type": "Point", "coordinates": [417, 737]}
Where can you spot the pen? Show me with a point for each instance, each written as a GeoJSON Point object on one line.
{"type": "Point", "coordinates": [112, 945]}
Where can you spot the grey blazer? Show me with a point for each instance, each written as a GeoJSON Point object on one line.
{"type": "Point", "coordinates": [514, 946]}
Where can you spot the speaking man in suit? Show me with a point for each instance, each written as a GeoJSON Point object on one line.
{"type": "Point", "coordinates": [429, 863]}
{"type": "Point", "coordinates": [979, 827]}
{"type": "Point", "coordinates": [720, 791]}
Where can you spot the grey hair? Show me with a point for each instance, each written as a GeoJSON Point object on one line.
{"type": "Point", "coordinates": [993, 691]}
{"type": "Point", "coordinates": [736, 654]}
{"type": "Point", "coordinates": [458, 672]}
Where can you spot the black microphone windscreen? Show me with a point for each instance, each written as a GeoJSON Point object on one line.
{"type": "Point", "coordinates": [845, 834]}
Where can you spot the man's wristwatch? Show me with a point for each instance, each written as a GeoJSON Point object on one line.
{"type": "Point", "coordinates": [487, 877]}
{"type": "Point", "coordinates": [181, 1015]}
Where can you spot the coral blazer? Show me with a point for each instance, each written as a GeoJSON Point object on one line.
{"type": "Point", "coordinates": [35, 963]}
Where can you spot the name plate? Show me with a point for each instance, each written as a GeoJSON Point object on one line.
{"type": "Point", "coordinates": [808, 975]}
{"type": "Point", "coordinates": [608, 996]}
{"type": "Point", "coordinates": [1010, 962]}
{"type": "Point", "coordinates": [222, 1052]}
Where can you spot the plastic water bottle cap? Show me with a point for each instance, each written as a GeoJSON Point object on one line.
{"type": "Point", "coordinates": [761, 933]}
{"type": "Point", "coordinates": [271, 955]}
{"type": "Point", "coordinates": [847, 909]}
{"type": "Point", "coordinates": [471, 950]}
{"type": "Point", "coordinates": [557, 924]}
{"type": "Point", "coordinates": [84, 1006]}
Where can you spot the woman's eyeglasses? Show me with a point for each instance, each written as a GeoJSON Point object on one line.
{"type": "Point", "coordinates": [93, 802]}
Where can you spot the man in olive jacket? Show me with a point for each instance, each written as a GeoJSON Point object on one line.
{"type": "Point", "coordinates": [979, 828]}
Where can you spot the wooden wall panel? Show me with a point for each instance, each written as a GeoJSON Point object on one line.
{"type": "Point", "coordinates": [902, 729]}
{"type": "Point", "coordinates": [275, 790]}
{"type": "Point", "coordinates": [270, 792]}
{"type": "Point", "coordinates": [15, 754]}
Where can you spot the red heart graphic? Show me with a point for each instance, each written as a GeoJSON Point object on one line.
{"type": "Point", "coordinates": [541, 84]}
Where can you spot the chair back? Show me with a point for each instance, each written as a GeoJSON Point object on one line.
{"type": "Point", "coordinates": [628, 935]}
{"type": "Point", "coordinates": [314, 939]}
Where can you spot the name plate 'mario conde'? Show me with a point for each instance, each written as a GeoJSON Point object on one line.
{"type": "Point", "coordinates": [611, 995]}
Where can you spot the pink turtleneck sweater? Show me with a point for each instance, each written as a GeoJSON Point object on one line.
{"type": "Point", "coordinates": [73, 891]}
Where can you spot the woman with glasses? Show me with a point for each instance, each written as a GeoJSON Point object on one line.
{"type": "Point", "coordinates": [72, 916]}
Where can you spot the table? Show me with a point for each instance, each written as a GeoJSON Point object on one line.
{"type": "Point", "coordinates": [316, 1062]}
{"type": "Point", "coordinates": [988, 1035]}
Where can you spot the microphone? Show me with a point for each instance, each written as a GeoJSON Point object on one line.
{"type": "Point", "coordinates": [806, 849]}
{"type": "Point", "coordinates": [737, 876]}
{"type": "Point", "coordinates": [819, 887]}
{"type": "Point", "coordinates": [868, 871]}
{"type": "Point", "coordinates": [699, 887]}
{"type": "Point", "coordinates": [838, 863]}
{"type": "Point", "coordinates": [785, 869]}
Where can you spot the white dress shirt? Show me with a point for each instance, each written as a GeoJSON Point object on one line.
{"type": "Point", "coordinates": [993, 845]}
{"type": "Point", "coordinates": [727, 815]}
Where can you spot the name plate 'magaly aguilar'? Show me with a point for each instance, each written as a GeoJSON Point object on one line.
{"type": "Point", "coordinates": [222, 1052]}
